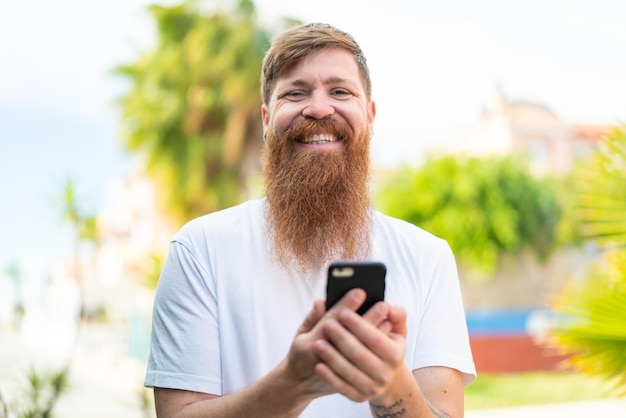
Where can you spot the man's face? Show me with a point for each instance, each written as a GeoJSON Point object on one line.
{"type": "Point", "coordinates": [325, 85]}
{"type": "Point", "coordinates": [316, 161]}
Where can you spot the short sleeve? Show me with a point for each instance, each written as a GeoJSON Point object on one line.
{"type": "Point", "coordinates": [442, 338]}
{"type": "Point", "coordinates": [184, 344]}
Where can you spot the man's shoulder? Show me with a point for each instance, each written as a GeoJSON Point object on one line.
{"type": "Point", "coordinates": [228, 219]}
{"type": "Point", "coordinates": [396, 226]}
{"type": "Point", "coordinates": [400, 241]}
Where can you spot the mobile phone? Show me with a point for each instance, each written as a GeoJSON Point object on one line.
{"type": "Point", "coordinates": [346, 275]}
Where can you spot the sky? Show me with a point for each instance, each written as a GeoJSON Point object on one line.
{"type": "Point", "coordinates": [435, 67]}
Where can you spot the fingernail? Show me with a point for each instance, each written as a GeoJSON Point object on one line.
{"type": "Point", "coordinates": [358, 294]}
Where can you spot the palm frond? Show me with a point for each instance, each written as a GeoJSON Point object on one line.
{"type": "Point", "coordinates": [591, 312]}
{"type": "Point", "coordinates": [592, 321]}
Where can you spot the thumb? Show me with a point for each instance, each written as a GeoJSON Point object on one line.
{"type": "Point", "coordinates": [313, 316]}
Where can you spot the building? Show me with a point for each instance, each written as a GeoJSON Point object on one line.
{"type": "Point", "coordinates": [530, 130]}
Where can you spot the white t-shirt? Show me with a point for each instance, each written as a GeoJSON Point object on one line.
{"type": "Point", "coordinates": [225, 314]}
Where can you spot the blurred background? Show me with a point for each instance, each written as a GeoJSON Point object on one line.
{"type": "Point", "coordinates": [500, 128]}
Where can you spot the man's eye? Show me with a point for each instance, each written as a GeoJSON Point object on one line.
{"type": "Point", "coordinates": [294, 94]}
{"type": "Point", "coordinates": [341, 92]}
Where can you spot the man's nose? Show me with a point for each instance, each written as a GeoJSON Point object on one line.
{"type": "Point", "coordinates": [318, 107]}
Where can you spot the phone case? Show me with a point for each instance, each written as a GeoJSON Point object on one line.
{"type": "Point", "coordinates": [346, 275]}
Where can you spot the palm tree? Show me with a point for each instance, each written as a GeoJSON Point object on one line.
{"type": "Point", "coordinates": [41, 396]}
{"type": "Point", "coordinates": [84, 230]}
{"type": "Point", "coordinates": [14, 272]}
{"type": "Point", "coordinates": [592, 311]}
{"type": "Point", "coordinates": [193, 110]}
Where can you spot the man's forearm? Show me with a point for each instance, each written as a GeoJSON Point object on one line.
{"type": "Point", "coordinates": [396, 409]}
{"type": "Point", "coordinates": [405, 407]}
{"type": "Point", "coordinates": [400, 409]}
{"type": "Point", "coordinates": [272, 396]}
{"type": "Point", "coordinates": [406, 401]}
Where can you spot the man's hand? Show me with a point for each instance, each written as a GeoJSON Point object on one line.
{"type": "Point", "coordinates": [363, 356]}
{"type": "Point", "coordinates": [301, 360]}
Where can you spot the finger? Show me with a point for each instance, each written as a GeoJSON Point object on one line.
{"type": "Point", "coordinates": [397, 318]}
{"type": "Point", "coordinates": [313, 317]}
{"type": "Point", "coordinates": [389, 347]}
{"type": "Point", "coordinates": [352, 354]}
{"type": "Point", "coordinates": [377, 313]}
{"type": "Point", "coordinates": [385, 327]}
{"type": "Point", "coordinates": [338, 384]}
{"type": "Point", "coordinates": [351, 300]}
{"type": "Point", "coordinates": [342, 375]}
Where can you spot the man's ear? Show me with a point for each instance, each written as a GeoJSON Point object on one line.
{"type": "Point", "coordinates": [371, 115]}
{"type": "Point", "coordinates": [265, 116]}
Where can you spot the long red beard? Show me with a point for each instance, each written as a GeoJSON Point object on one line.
{"type": "Point", "coordinates": [319, 205]}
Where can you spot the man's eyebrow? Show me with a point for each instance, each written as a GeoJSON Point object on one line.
{"type": "Point", "coordinates": [337, 80]}
{"type": "Point", "coordinates": [298, 82]}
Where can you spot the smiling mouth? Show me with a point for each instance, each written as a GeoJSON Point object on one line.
{"type": "Point", "coordinates": [319, 139]}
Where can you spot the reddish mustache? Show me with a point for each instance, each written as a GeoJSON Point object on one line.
{"type": "Point", "coordinates": [308, 127]}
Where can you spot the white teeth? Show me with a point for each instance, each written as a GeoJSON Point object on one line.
{"type": "Point", "coordinates": [319, 139]}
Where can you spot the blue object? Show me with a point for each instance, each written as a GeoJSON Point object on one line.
{"type": "Point", "coordinates": [500, 321]}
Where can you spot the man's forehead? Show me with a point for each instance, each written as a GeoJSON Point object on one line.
{"type": "Point", "coordinates": [330, 65]}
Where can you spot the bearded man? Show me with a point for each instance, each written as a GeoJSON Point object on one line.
{"type": "Point", "coordinates": [240, 283]}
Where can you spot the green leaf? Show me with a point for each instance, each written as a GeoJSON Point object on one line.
{"type": "Point", "coordinates": [483, 207]}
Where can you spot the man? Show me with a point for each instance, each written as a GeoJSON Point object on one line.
{"type": "Point", "coordinates": [240, 328]}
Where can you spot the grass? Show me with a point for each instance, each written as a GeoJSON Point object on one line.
{"type": "Point", "coordinates": [497, 391]}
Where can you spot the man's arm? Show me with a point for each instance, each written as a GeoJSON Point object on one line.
{"type": "Point", "coordinates": [429, 392]}
{"type": "Point", "coordinates": [273, 396]}
{"type": "Point", "coordinates": [279, 394]}
{"type": "Point", "coordinates": [287, 389]}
